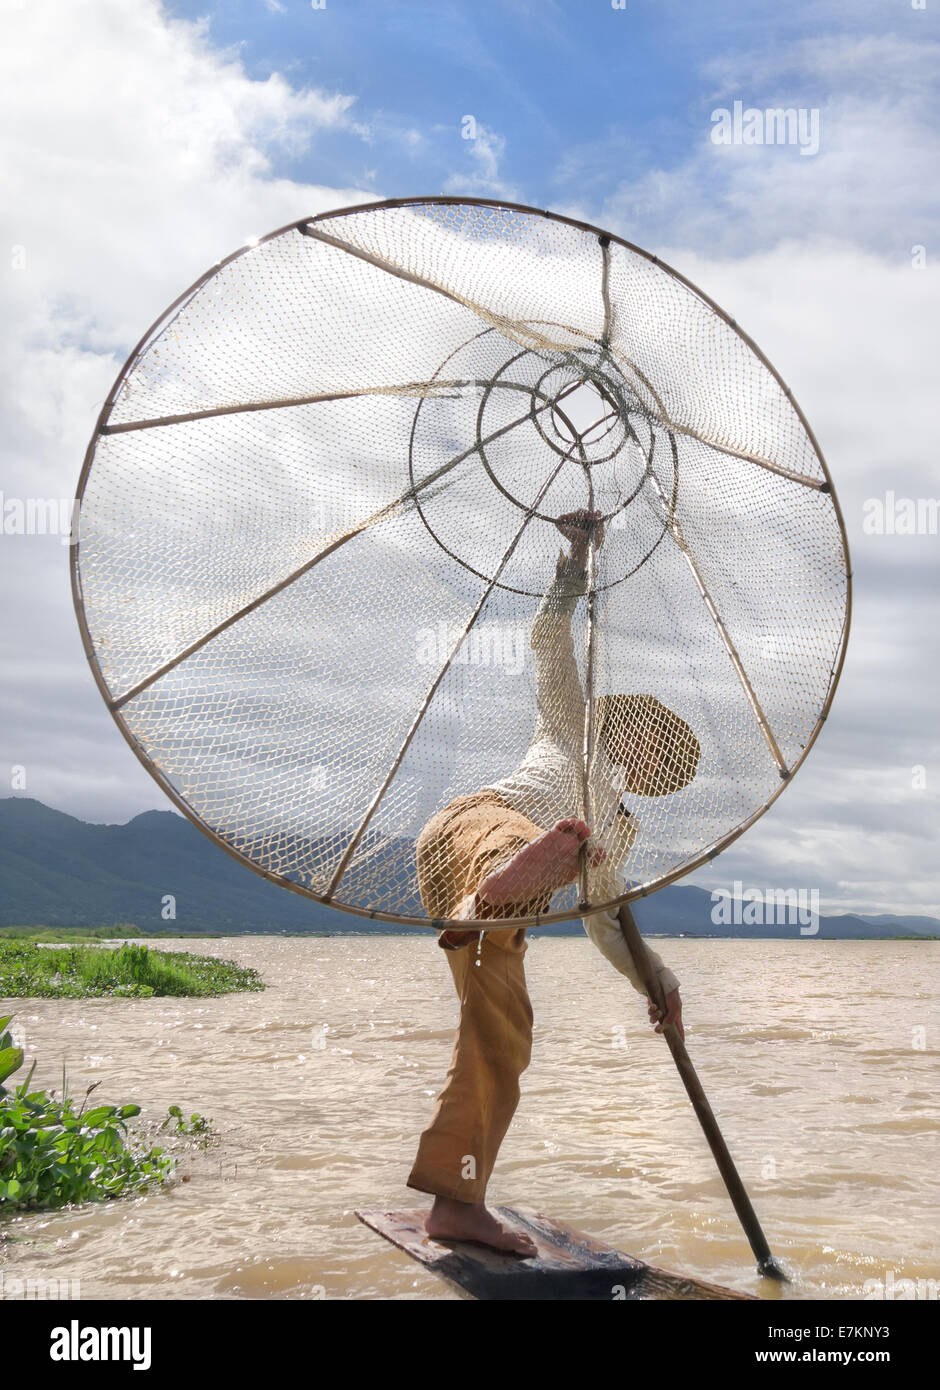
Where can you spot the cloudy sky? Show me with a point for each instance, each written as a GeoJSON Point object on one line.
{"type": "Point", "coordinates": [145, 141]}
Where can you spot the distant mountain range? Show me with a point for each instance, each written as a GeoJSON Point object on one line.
{"type": "Point", "coordinates": [58, 871]}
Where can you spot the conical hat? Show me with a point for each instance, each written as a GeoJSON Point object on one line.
{"type": "Point", "coordinates": [645, 720]}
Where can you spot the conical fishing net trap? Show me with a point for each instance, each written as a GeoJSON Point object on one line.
{"type": "Point", "coordinates": [441, 503]}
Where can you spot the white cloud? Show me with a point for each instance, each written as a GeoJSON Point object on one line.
{"type": "Point", "coordinates": [873, 183]}
{"type": "Point", "coordinates": [813, 257]}
{"type": "Point", "coordinates": [853, 335]}
{"type": "Point", "coordinates": [485, 150]}
{"type": "Point", "coordinates": [135, 156]}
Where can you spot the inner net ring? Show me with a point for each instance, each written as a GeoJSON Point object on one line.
{"type": "Point", "coordinates": [633, 428]}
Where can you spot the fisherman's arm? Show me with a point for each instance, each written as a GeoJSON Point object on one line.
{"type": "Point", "coordinates": [603, 928]}
{"type": "Point", "coordinates": [558, 681]}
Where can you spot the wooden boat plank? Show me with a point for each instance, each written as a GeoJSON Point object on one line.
{"type": "Point", "coordinates": [570, 1263]}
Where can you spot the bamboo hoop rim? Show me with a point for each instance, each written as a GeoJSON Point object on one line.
{"type": "Point", "coordinates": [160, 325]}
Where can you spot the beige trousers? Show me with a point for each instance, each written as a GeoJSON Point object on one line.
{"type": "Point", "coordinates": [457, 849]}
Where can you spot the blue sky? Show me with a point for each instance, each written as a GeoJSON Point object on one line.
{"type": "Point", "coordinates": [143, 141]}
{"type": "Point", "coordinates": [578, 98]}
{"type": "Point", "coordinates": [529, 72]}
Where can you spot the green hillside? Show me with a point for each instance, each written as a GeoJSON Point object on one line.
{"type": "Point", "coordinates": [58, 871]}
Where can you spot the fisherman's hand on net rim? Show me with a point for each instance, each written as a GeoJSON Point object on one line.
{"type": "Point", "coordinates": [577, 526]}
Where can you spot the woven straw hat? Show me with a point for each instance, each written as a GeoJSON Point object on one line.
{"type": "Point", "coordinates": [645, 720]}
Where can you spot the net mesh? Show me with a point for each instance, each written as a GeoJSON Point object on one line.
{"type": "Point", "coordinates": [325, 589]}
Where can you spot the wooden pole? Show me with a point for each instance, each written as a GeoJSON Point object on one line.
{"type": "Point", "coordinates": [766, 1264]}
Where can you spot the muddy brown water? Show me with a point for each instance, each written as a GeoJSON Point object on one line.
{"type": "Point", "coordinates": [320, 1086]}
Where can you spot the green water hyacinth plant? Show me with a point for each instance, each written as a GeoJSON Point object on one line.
{"type": "Point", "coordinates": [52, 1155]}
{"type": "Point", "coordinates": [198, 1127]}
{"type": "Point", "coordinates": [29, 970]}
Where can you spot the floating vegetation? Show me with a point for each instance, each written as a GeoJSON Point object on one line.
{"type": "Point", "coordinates": [127, 971]}
{"type": "Point", "coordinates": [52, 1154]}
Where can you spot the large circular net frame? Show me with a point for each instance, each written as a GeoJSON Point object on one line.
{"type": "Point", "coordinates": [317, 569]}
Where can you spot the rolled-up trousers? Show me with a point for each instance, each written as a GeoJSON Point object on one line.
{"type": "Point", "coordinates": [457, 849]}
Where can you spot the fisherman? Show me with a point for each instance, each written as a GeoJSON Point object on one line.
{"type": "Point", "coordinates": [488, 856]}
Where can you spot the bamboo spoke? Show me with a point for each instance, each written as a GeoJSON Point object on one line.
{"type": "Point", "coordinates": [731, 649]}
{"type": "Point", "coordinates": [409, 389]}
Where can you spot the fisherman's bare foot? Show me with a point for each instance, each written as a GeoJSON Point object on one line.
{"type": "Point", "coordinates": [547, 863]}
{"type": "Point", "coordinates": [452, 1220]}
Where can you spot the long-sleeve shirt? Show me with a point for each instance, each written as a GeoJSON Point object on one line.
{"type": "Point", "coordinates": [548, 784]}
